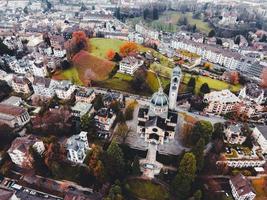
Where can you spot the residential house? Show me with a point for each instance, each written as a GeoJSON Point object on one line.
{"type": "Point", "coordinates": [242, 188]}
{"type": "Point", "coordinates": [20, 84]}
{"type": "Point", "coordinates": [13, 116]}
{"type": "Point", "coordinates": [39, 69]}
{"type": "Point", "coordinates": [80, 109]}
{"type": "Point", "coordinates": [234, 134]}
{"type": "Point", "coordinates": [77, 147]}
{"type": "Point", "coordinates": [84, 94]}
{"type": "Point", "coordinates": [44, 86]}
{"type": "Point", "coordinates": [104, 119]}
{"type": "Point", "coordinates": [19, 151]}
{"type": "Point", "coordinates": [65, 89]}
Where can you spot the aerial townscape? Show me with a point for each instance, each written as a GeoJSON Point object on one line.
{"type": "Point", "coordinates": [133, 99]}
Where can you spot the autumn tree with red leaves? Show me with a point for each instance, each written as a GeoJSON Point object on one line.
{"type": "Point", "coordinates": [77, 43]}
{"type": "Point", "coordinates": [128, 48]}
{"type": "Point", "coordinates": [110, 54]}
{"type": "Point", "coordinates": [234, 77]}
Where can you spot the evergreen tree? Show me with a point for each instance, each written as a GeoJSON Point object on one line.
{"type": "Point", "coordinates": [202, 129]}
{"type": "Point", "coordinates": [218, 131]}
{"type": "Point", "coordinates": [181, 184]}
{"type": "Point", "coordinates": [98, 102]}
{"type": "Point", "coordinates": [136, 167]}
{"type": "Point", "coordinates": [192, 84]}
{"type": "Point", "coordinates": [211, 33]}
{"type": "Point", "coordinates": [204, 89]}
{"type": "Point", "coordinates": [88, 124]}
{"type": "Point", "coordinates": [155, 14]}
{"type": "Point", "coordinates": [114, 162]}
{"type": "Point", "coordinates": [198, 151]}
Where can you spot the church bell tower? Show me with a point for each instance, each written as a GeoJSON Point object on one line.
{"type": "Point", "coordinates": [174, 87]}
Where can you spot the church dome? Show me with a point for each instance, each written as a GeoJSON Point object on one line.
{"type": "Point", "coordinates": [159, 99]}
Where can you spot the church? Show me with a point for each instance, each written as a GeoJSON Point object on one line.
{"type": "Point", "coordinates": [157, 122]}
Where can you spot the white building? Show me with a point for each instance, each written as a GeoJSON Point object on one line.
{"type": "Point", "coordinates": [130, 64]}
{"type": "Point", "coordinates": [242, 188]}
{"type": "Point", "coordinates": [44, 86]}
{"type": "Point", "coordinates": [234, 134]}
{"type": "Point", "coordinates": [139, 28]}
{"type": "Point", "coordinates": [13, 116]}
{"type": "Point", "coordinates": [64, 89]}
{"type": "Point", "coordinates": [19, 150]}
{"type": "Point", "coordinates": [221, 102]}
{"type": "Point", "coordinates": [77, 147]}
{"type": "Point", "coordinates": [39, 69]}
{"type": "Point", "coordinates": [260, 136]}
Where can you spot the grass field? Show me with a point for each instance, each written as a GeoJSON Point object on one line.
{"type": "Point", "coordinates": [213, 84]}
{"type": "Point", "coordinates": [69, 74]}
{"type": "Point", "coordinates": [168, 22]}
{"type": "Point", "coordinates": [147, 190]}
{"type": "Point", "coordinates": [100, 46]}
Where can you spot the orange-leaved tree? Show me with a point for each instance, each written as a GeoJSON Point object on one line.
{"type": "Point", "coordinates": [128, 48]}
{"type": "Point", "coordinates": [110, 54]}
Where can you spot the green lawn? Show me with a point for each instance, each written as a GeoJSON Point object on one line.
{"type": "Point", "coordinates": [122, 76]}
{"type": "Point", "coordinates": [72, 75]}
{"type": "Point", "coordinates": [168, 22]}
{"type": "Point", "coordinates": [213, 84]}
{"type": "Point", "coordinates": [100, 46]}
{"type": "Point", "coordinates": [147, 190]}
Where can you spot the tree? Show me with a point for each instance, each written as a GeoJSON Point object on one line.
{"type": "Point", "coordinates": [181, 184]}
{"type": "Point", "coordinates": [98, 102]}
{"type": "Point", "coordinates": [136, 167]}
{"type": "Point", "coordinates": [5, 90]}
{"type": "Point", "coordinates": [198, 151]}
{"type": "Point", "coordinates": [155, 14]}
{"type": "Point", "coordinates": [129, 111]}
{"type": "Point", "coordinates": [192, 84]}
{"type": "Point", "coordinates": [211, 33]}
{"type": "Point", "coordinates": [88, 123]}
{"type": "Point", "coordinates": [204, 89]}
{"type": "Point", "coordinates": [139, 82]}
{"type": "Point", "coordinates": [115, 192]}
{"type": "Point", "coordinates": [263, 38]}
{"type": "Point", "coordinates": [77, 43]}
{"type": "Point", "coordinates": [234, 77]}
{"type": "Point", "coordinates": [218, 131]}
{"type": "Point", "coordinates": [237, 40]}
{"type": "Point", "coordinates": [202, 129]}
{"type": "Point", "coordinates": [128, 48]}
{"type": "Point", "coordinates": [114, 161]}
{"type": "Point", "coordinates": [198, 195]}
{"type": "Point", "coordinates": [110, 54]}
{"type": "Point", "coordinates": [122, 131]}
{"type": "Point", "coordinates": [38, 162]}
{"type": "Point", "coordinates": [182, 21]}
{"type": "Point", "coordinates": [146, 13]}
{"type": "Point", "coordinates": [115, 106]}
{"type": "Point", "coordinates": [219, 41]}
{"type": "Point", "coordinates": [95, 164]}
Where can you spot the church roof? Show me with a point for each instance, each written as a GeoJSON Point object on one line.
{"type": "Point", "coordinates": [159, 98]}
